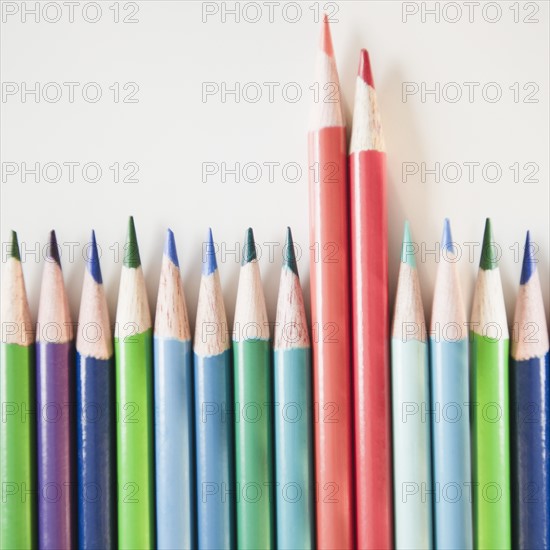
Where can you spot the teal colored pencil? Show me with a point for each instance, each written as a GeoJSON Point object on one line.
{"type": "Point", "coordinates": [292, 414]}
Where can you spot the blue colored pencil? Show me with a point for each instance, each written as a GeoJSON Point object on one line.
{"type": "Point", "coordinates": [213, 400]}
{"type": "Point", "coordinates": [410, 398]}
{"type": "Point", "coordinates": [452, 475]}
{"type": "Point", "coordinates": [174, 422]}
{"type": "Point", "coordinates": [95, 414]}
{"type": "Point", "coordinates": [293, 413]}
{"type": "Point", "coordinates": [530, 374]}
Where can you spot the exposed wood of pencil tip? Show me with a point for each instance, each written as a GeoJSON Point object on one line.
{"type": "Point", "coordinates": [15, 307]}
{"type": "Point", "coordinates": [93, 337]}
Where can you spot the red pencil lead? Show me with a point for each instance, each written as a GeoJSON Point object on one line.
{"type": "Point", "coordinates": [365, 71]}
{"type": "Point", "coordinates": [326, 39]}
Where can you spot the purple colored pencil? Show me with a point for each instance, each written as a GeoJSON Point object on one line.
{"type": "Point", "coordinates": [55, 410]}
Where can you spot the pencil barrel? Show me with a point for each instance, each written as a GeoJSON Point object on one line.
{"type": "Point", "coordinates": [530, 406]}
{"type": "Point", "coordinates": [55, 403]}
{"type": "Point", "coordinates": [174, 444]}
{"type": "Point", "coordinates": [253, 443]}
{"type": "Point", "coordinates": [411, 431]}
{"type": "Point", "coordinates": [135, 450]}
{"type": "Point", "coordinates": [491, 442]}
{"type": "Point", "coordinates": [214, 452]}
{"type": "Point", "coordinates": [295, 488]}
{"type": "Point", "coordinates": [96, 452]}
{"type": "Point", "coordinates": [18, 450]}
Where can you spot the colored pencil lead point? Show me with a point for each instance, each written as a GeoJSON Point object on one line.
{"type": "Point", "coordinates": [365, 71]}
{"type": "Point", "coordinates": [447, 238]}
{"type": "Point", "coordinates": [407, 250]}
{"type": "Point", "coordinates": [249, 251]}
{"type": "Point", "coordinates": [289, 260]}
{"type": "Point", "coordinates": [489, 255]}
{"type": "Point", "coordinates": [93, 261]}
{"type": "Point", "coordinates": [53, 251]}
{"type": "Point", "coordinates": [529, 261]}
{"type": "Point", "coordinates": [13, 251]}
{"type": "Point", "coordinates": [170, 248]}
{"type": "Point", "coordinates": [131, 254]}
{"type": "Point", "coordinates": [209, 264]}
{"type": "Point", "coordinates": [326, 39]}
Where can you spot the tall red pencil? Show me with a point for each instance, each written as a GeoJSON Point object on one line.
{"type": "Point", "coordinates": [369, 269]}
{"type": "Point", "coordinates": [331, 342]}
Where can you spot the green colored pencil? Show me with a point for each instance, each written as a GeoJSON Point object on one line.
{"type": "Point", "coordinates": [491, 415]}
{"type": "Point", "coordinates": [17, 434]}
{"type": "Point", "coordinates": [134, 385]}
{"type": "Point", "coordinates": [253, 418]}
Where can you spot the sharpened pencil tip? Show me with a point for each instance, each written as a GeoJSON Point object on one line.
{"type": "Point", "coordinates": [53, 251]}
{"type": "Point", "coordinates": [365, 71]}
{"type": "Point", "coordinates": [326, 38]}
{"type": "Point", "coordinates": [529, 265]}
{"type": "Point", "coordinates": [249, 251]}
{"type": "Point", "coordinates": [209, 263]}
{"type": "Point", "coordinates": [13, 251]}
{"type": "Point", "coordinates": [408, 247]}
{"type": "Point", "coordinates": [131, 254]}
{"type": "Point", "coordinates": [170, 250]}
{"type": "Point", "coordinates": [289, 260]}
{"type": "Point", "coordinates": [93, 261]}
{"type": "Point", "coordinates": [447, 238]}
{"type": "Point", "coordinates": [489, 252]}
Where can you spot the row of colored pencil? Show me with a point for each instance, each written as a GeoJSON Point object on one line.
{"type": "Point", "coordinates": [189, 463]}
{"type": "Point", "coordinates": [435, 386]}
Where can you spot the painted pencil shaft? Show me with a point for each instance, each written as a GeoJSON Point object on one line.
{"type": "Point", "coordinates": [134, 396]}
{"type": "Point", "coordinates": [95, 414]}
{"type": "Point", "coordinates": [410, 401]}
{"type": "Point", "coordinates": [17, 395]}
{"type": "Point", "coordinates": [293, 413]}
{"type": "Point", "coordinates": [294, 449]}
{"type": "Point", "coordinates": [215, 459]}
{"type": "Point", "coordinates": [55, 401]}
{"type": "Point", "coordinates": [174, 443]}
{"type": "Point", "coordinates": [489, 350]}
{"type": "Point", "coordinates": [330, 295]}
{"type": "Point", "coordinates": [369, 270]}
{"type": "Point", "coordinates": [96, 457]}
{"type": "Point", "coordinates": [253, 444]}
{"type": "Point", "coordinates": [530, 406]}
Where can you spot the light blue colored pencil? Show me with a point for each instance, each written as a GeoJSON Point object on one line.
{"type": "Point", "coordinates": [450, 401]}
{"type": "Point", "coordinates": [410, 401]}
{"type": "Point", "coordinates": [174, 419]}
{"type": "Point", "coordinates": [213, 401]}
{"type": "Point", "coordinates": [293, 408]}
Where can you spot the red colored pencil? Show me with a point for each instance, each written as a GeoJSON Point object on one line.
{"type": "Point", "coordinates": [329, 266]}
{"type": "Point", "coordinates": [369, 267]}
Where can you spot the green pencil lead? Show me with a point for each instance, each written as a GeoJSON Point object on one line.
{"type": "Point", "coordinates": [13, 251]}
{"type": "Point", "coordinates": [131, 253]}
{"type": "Point", "coordinates": [489, 250]}
{"type": "Point", "coordinates": [249, 250]}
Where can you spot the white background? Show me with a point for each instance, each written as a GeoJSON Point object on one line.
{"type": "Point", "coordinates": [172, 130]}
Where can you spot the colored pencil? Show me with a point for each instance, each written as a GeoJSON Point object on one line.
{"type": "Point", "coordinates": [174, 421]}
{"type": "Point", "coordinates": [134, 395]}
{"type": "Point", "coordinates": [329, 268]}
{"type": "Point", "coordinates": [55, 399]}
{"type": "Point", "coordinates": [530, 398]}
{"type": "Point", "coordinates": [370, 318]}
{"type": "Point", "coordinates": [489, 342]}
{"type": "Point", "coordinates": [410, 399]}
{"type": "Point", "coordinates": [450, 414]}
{"type": "Point", "coordinates": [17, 429]}
{"type": "Point", "coordinates": [95, 413]}
{"type": "Point", "coordinates": [293, 409]}
{"type": "Point", "coordinates": [253, 401]}
{"type": "Point", "coordinates": [213, 401]}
